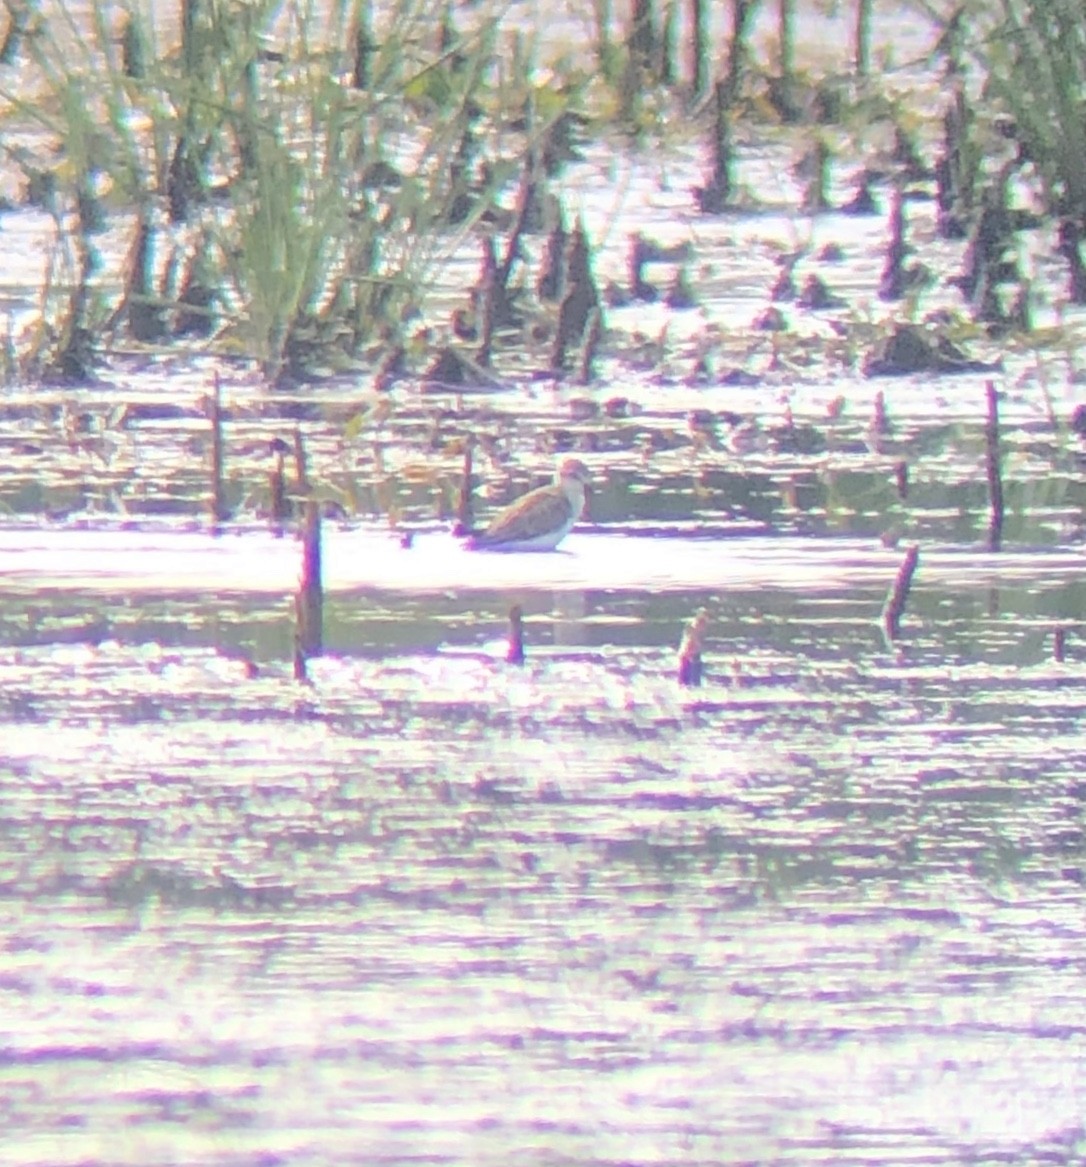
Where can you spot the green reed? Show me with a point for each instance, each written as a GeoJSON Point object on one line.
{"type": "Point", "coordinates": [1033, 59]}
{"type": "Point", "coordinates": [314, 192]}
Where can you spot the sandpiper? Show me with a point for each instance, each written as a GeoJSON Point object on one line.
{"type": "Point", "coordinates": [542, 518]}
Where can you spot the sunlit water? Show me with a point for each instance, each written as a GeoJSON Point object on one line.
{"type": "Point", "coordinates": [436, 908]}
{"type": "Point", "coordinates": [433, 908]}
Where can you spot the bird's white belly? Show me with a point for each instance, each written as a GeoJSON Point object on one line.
{"type": "Point", "coordinates": [544, 541]}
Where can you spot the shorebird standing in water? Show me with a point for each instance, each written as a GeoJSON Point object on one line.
{"type": "Point", "coordinates": [542, 518]}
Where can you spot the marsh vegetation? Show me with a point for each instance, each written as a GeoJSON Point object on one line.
{"type": "Point", "coordinates": [749, 845]}
{"type": "Point", "coordinates": [290, 184]}
{"type": "Point", "coordinates": [403, 223]}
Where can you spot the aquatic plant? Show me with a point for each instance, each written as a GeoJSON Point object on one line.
{"type": "Point", "coordinates": [288, 178]}
{"type": "Point", "coordinates": [289, 181]}
{"type": "Point", "coordinates": [1033, 66]}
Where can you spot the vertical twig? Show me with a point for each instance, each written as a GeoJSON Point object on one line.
{"type": "Point", "coordinates": [955, 180]}
{"type": "Point", "coordinates": [515, 652]}
{"type": "Point", "coordinates": [280, 503]}
{"type": "Point", "coordinates": [20, 17]}
{"type": "Point", "coordinates": [134, 48]}
{"type": "Point", "coordinates": [667, 69]}
{"type": "Point", "coordinates": [994, 468]}
{"type": "Point", "coordinates": [214, 413]}
{"type": "Point", "coordinates": [641, 40]}
{"type": "Point", "coordinates": [488, 293]}
{"type": "Point", "coordinates": [786, 36]}
{"type": "Point", "coordinates": [1070, 237]}
{"type": "Point", "coordinates": [301, 470]}
{"type": "Point", "coordinates": [190, 10]}
{"type": "Point", "coordinates": [690, 669]}
{"type": "Point", "coordinates": [894, 608]}
{"type": "Point", "coordinates": [901, 477]}
{"type": "Point", "coordinates": [364, 47]}
{"type": "Point", "coordinates": [592, 336]}
{"type": "Point", "coordinates": [465, 502]}
{"type": "Point", "coordinates": [301, 670]}
{"type": "Point", "coordinates": [699, 19]}
{"type": "Point", "coordinates": [311, 591]}
{"type": "Point", "coordinates": [816, 197]}
{"type": "Point", "coordinates": [892, 281]}
{"type": "Point", "coordinates": [602, 11]}
{"type": "Point", "coordinates": [863, 37]}
{"type": "Point", "coordinates": [552, 274]}
{"type": "Point", "coordinates": [880, 419]}
{"type": "Point", "coordinates": [1059, 642]}
{"type": "Point", "coordinates": [578, 302]}
{"type": "Point", "coordinates": [738, 48]}
{"type": "Point", "coordinates": [714, 198]}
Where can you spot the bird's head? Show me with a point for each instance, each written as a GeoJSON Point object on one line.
{"type": "Point", "coordinates": [574, 470]}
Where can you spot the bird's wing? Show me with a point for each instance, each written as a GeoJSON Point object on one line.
{"type": "Point", "coordinates": [538, 511]}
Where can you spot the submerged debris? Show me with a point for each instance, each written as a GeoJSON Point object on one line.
{"type": "Point", "coordinates": [454, 369]}
{"type": "Point", "coordinates": [914, 348]}
{"type": "Point", "coordinates": [640, 288]}
{"type": "Point", "coordinates": [863, 200]}
{"type": "Point", "coordinates": [817, 296]}
{"type": "Point", "coordinates": [771, 320]}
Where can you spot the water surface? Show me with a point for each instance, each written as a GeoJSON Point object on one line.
{"type": "Point", "coordinates": [436, 908]}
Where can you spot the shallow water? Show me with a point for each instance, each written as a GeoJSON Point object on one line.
{"type": "Point", "coordinates": [435, 908]}
{"type": "Point", "coordinates": [432, 908]}
{"type": "Point", "coordinates": [161, 557]}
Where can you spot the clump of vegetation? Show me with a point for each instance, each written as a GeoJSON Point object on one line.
{"type": "Point", "coordinates": [1021, 62]}
{"type": "Point", "coordinates": [287, 178]}
{"type": "Point", "coordinates": [1033, 66]}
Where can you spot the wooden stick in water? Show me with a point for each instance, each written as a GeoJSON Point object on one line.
{"type": "Point", "coordinates": [901, 477]}
{"type": "Point", "coordinates": [894, 608]}
{"type": "Point", "coordinates": [280, 504]}
{"type": "Point", "coordinates": [301, 470]}
{"type": "Point", "coordinates": [690, 669]}
{"type": "Point", "coordinates": [488, 292]}
{"type": "Point", "coordinates": [515, 652]}
{"type": "Point", "coordinates": [311, 592]}
{"type": "Point", "coordinates": [214, 413]}
{"type": "Point", "coordinates": [1059, 642]}
{"type": "Point", "coordinates": [702, 53]}
{"type": "Point", "coordinates": [995, 471]}
{"type": "Point", "coordinates": [465, 503]}
{"type": "Point", "coordinates": [301, 672]}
